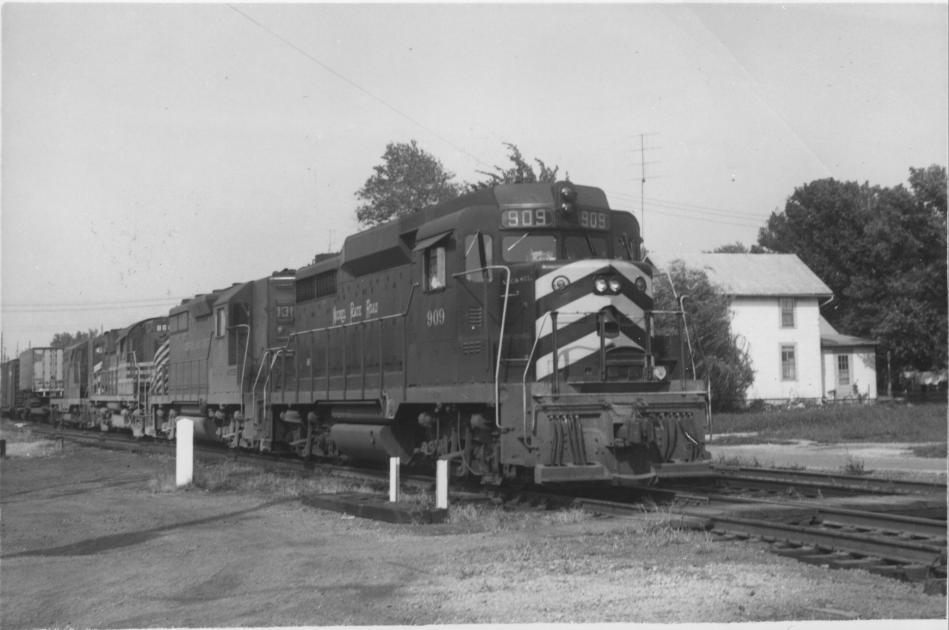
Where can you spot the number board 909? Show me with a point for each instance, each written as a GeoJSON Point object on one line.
{"type": "Point", "coordinates": [545, 218]}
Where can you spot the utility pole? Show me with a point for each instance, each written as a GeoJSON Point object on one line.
{"type": "Point", "coordinates": [642, 183]}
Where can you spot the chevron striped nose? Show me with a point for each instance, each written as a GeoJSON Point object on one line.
{"type": "Point", "coordinates": [600, 305]}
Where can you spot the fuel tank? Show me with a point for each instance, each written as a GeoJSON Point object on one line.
{"type": "Point", "coordinates": [370, 442]}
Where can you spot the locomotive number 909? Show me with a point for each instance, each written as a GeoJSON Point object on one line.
{"type": "Point", "coordinates": [435, 317]}
{"type": "Point", "coordinates": [545, 218]}
{"type": "Point", "coordinates": [527, 218]}
{"type": "Point", "coordinates": [594, 220]}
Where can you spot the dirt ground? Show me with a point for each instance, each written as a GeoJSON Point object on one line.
{"type": "Point", "coordinates": [94, 538]}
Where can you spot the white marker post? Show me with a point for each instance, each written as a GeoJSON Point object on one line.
{"type": "Point", "coordinates": [441, 485]}
{"type": "Point", "coordinates": [184, 452]}
{"type": "Point", "coordinates": [393, 479]}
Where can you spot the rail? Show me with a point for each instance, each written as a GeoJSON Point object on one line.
{"type": "Point", "coordinates": [825, 482]}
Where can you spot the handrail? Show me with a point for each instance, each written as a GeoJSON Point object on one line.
{"type": "Point", "coordinates": [497, 366]}
{"type": "Point", "coordinates": [253, 391]}
{"type": "Point", "coordinates": [527, 367]}
{"type": "Point", "coordinates": [403, 314]}
{"type": "Point", "coordinates": [276, 355]}
{"type": "Point", "coordinates": [244, 363]}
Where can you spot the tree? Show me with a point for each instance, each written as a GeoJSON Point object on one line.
{"type": "Point", "coordinates": [408, 180]}
{"type": "Point", "coordinates": [739, 248]}
{"type": "Point", "coordinates": [520, 172]}
{"type": "Point", "coordinates": [882, 251]}
{"type": "Point", "coordinates": [929, 188]}
{"type": "Point", "coordinates": [719, 356]}
{"type": "Point", "coordinates": [65, 339]}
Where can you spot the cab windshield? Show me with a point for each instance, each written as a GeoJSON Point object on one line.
{"type": "Point", "coordinates": [529, 247]}
{"type": "Point", "coordinates": [577, 246]}
{"type": "Point", "coordinates": [537, 247]}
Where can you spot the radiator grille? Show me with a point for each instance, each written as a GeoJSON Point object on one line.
{"type": "Point", "coordinates": [475, 317]}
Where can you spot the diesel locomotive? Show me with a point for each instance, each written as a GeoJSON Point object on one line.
{"type": "Point", "coordinates": [512, 331]}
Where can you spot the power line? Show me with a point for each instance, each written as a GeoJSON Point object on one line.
{"type": "Point", "coordinates": [88, 306]}
{"type": "Point", "coordinates": [680, 205]}
{"type": "Point", "coordinates": [365, 91]}
{"type": "Point", "coordinates": [684, 204]}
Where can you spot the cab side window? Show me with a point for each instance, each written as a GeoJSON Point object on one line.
{"type": "Point", "coordinates": [434, 269]}
{"type": "Point", "coordinates": [220, 321]}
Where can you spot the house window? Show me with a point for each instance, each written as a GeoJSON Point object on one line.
{"type": "Point", "coordinates": [787, 312]}
{"type": "Point", "coordinates": [843, 369]}
{"type": "Point", "coordinates": [434, 268]}
{"type": "Point", "coordinates": [788, 363]}
{"type": "Point", "coordinates": [478, 254]}
{"type": "Point", "coordinates": [220, 321]}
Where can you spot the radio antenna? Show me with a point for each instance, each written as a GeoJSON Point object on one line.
{"type": "Point", "coordinates": [642, 188]}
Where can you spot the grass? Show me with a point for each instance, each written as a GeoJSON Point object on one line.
{"type": "Point", "coordinates": [636, 545]}
{"type": "Point", "coordinates": [930, 450]}
{"type": "Point", "coordinates": [494, 518]}
{"type": "Point", "coordinates": [853, 466]}
{"type": "Point", "coordinates": [235, 477]}
{"type": "Point", "coordinates": [925, 422]}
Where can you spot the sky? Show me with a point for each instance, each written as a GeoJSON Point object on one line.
{"type": "Point", "coordinates": [154, 151]}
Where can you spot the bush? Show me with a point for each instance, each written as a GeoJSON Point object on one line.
{"type": "Point", "coordinates": [719, 357]}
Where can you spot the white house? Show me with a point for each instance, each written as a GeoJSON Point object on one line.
{"type": "Point", "coordinates": [849, 365]}
{"type": "Point", "coordinates": [776, 316]}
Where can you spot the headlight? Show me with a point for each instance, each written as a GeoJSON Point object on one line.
{"type": "Point", "coordinates": [614, 285]}
{"type": "Point", "coordinates": [659, 372]}
{"type": "Point", "coordinates": [641, 284]}
{"type": "Point", "coordinates": [599, 284]}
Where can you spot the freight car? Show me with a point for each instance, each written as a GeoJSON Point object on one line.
{"type": "Point", "coordinates": [31, 381]}
{"type": "Point", "coordinates": [11, 398]}
{"type": "Point", "coordinates": [511, 330]}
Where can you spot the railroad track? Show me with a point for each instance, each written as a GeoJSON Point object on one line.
{"type": "Point", "coordinates": [894, 545]}
{"type": "Point", "coordinates": [809, 483]}
{"type": "Point", "coordinates": [879, 543]}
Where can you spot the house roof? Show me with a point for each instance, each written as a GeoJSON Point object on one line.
{"type": "Point", "coordinates": [829, 337]}
{"type": "Point", "coordinates": [753, 275]}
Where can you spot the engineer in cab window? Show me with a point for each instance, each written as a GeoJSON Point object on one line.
{"type": "Point", "coordinates": [435, 268]}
